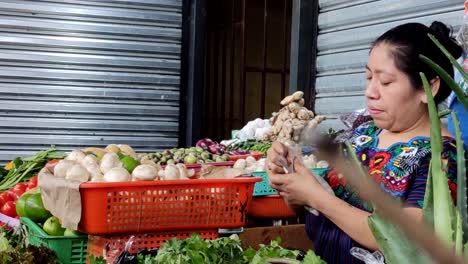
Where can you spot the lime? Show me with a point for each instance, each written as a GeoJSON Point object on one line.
{"type": "Point", "coordinates": [21, 203]}
{"type": "Point", "coordinates": [34, 208]}
{"type": "Point", "coordinates": [53, 227]}
{"type": "Point", "coordinates": [129, 163]}
{"type": "Point", "coordinates": [71, 232]}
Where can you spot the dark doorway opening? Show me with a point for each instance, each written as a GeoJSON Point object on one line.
{"type": "Point", "coordinates": [247, 53]}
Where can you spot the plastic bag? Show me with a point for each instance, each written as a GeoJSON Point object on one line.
{"type": "Point", "coordinates": [462, 36]}
{"type": "Point", "coordinates": [369, 258]}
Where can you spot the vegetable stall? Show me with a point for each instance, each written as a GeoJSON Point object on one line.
{"type": "Point", "coordinates": [179, 205]}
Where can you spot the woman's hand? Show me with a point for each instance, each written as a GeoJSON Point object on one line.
{"type": "Point", "coordinates": [299, 188]}
{"type": "Point", "coordinates": [276, 157]}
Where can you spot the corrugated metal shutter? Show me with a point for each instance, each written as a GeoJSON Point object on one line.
{"type": "Point", "coordinates": [346, 29]}
{"type": "Point", "coordinates": [86, 73]}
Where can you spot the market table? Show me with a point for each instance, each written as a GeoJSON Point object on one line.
{"type": "Point", "coordinates": [292, 236]}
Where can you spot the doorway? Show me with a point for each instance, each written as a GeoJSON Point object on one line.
{"type": "Point", "coordinates": [247, 51]}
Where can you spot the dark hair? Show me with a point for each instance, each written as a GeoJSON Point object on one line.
{"type": "Point", "coordinates": [410, 40]}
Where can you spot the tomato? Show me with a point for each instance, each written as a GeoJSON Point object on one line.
{"type": "Point", "coordinates": [5, 197]}
{"type": "Point", "coordinates": [32, 182]}
{"type": "Point", "coordinates": [9, 209]}
{"type": "Point", "coordinates": [14, 194]}
{"type": "Point", "coordinates": [20, 188]}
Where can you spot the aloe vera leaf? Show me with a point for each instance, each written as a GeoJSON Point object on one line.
{"type": "Point", "coordinates": [354, 159]}
{"type": "Point", "coordinates": [458, 236]}
{"type": "Point", "coordinates": [461, 96]}
{"type": "Point", "coordinates": [428, 207]}
{"type": "Point", "coordinates": [461, 177]}
{"type": "Point", "coordinates": [443, 215]}
{"type": "Point", "coordinates": [444, 113]}
{"type": "Point", "coordinates": [450, 57]}
{"type": "Point", "coordinates": [394, 244]}
{"type": "Point", "coordinates": [465, 250]}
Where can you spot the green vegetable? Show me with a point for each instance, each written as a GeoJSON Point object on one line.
{"type": "Point", "coordinates": [312, 258]}
{"type": "Point", "coordinates": [25, 168]}
{"type": "Point", "coordinates": [18, 252]}
{"type": "Point", "coordinates": [196, 250]}
{"type": "Point", "coordinates": [265, 252]}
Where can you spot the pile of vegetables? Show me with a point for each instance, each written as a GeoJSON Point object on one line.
{"type": "Point", "coordinates": [193, 155]}
{"type": "Point", "coordinates": [195, 250]}
{"type": "Point", "coordinates": [216, 148]}
{"type": "Point", "coordinates": [14, 249]}
{"type": "Point", "coordinates": [110, 167]}
{"type": "Point", "coordinates": [293, 122]}
{"type": "Point", "coordinates": [250, 145]}
{"type": "Point", "coordinates": [30, 205]}
{"type": "Point", "coordinates": [22, 169]}
{"type": "Point", "coordinates": [10, 198]}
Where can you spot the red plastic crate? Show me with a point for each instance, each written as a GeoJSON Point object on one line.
{"type": "Point", "coordinates": [149, 206]}
{"type": "Point", "coordinates": [110, 247]}
{"type": "Point", "coordinates": [271, 206]}
{"type": "Point", "coordinates": [256, 154]}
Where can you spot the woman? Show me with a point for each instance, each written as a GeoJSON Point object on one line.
{"type": "Point", "coordinates": [394, 145]}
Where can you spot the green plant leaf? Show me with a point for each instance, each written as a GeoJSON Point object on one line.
{"type": "Point", "coordinates": [428, 207]}
{"type": "Point", "coordinates": [461, 178]}
{"type": "Point", "coordinates": [458, 236]}
{"type": "Point", "coordinates": [461, 96]}
{"type": "Point", "coordinates": [450, 57]}
{"type": "Point", "coordinates": [444, 213]}
{"type": "Point", "coordinates": [393, 243]}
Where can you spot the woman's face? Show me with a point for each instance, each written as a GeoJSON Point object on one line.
{"type": "Point", "coordinates": [393, 102]}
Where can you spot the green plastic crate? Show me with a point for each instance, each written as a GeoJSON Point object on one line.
{"type": "Point", "coordinates": [263, 188]}
{"type": "Point", "coordinates": [69, 249]}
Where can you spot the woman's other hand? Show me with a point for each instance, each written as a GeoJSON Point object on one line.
{"type": "Point", "coordinates": [276, 157]}
{"type": "Point", "coordinates": [299, 188]}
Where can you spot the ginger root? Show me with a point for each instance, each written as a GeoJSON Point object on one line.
{"type": "Point", "coordinates": [290, 124]}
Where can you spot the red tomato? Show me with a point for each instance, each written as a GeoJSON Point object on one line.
{"type": "Point", "coordinates": [20, 188]}
{"type": "Point", "coordinates": [5, 197]}
{"type": "Point", "coordinates": [9, 209]}
{"type": "Point", "coordinates": [32, 182]}
{"type": "Point", "coordinates": [14, 194]}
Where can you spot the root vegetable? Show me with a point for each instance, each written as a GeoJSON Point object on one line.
{"type": "Point", "coordinates": [182, 171]}
{"type": "Point", "coordinates": [118, 174]}
{"type": "Point", "coordinates": [294, 107]}
{"type": "Point", "coordinates": [76, 155]}
{"type": "Point", "coordinates": [127, 150]}
{"type": "Point", "coordinates": [240, 164]}
{"type": "Point", "coordinates": [287, 100]}
{"type": "Point", "coordinates": [110, 161]}
{"type": "Point", "coordinates": [77, 173]}
{"type": "Point", "coordinates": [250, 161]}
{"type": "Point", "coordinates": [62, 167]}
{"type": "Point", "coordinates": [171, 172]}
{"type": "Point", "coordinates": [91, 163]}
{"type": "Point", "coordinates": [99, 152]}
{"type": "Point", "coordinates": [145, 172]}
{"type": "Point", "coordinates": [301, 102]}
{"type": "Point", "coordinates": [112, 148]}
{"type": "Point", "coordinates": [297, 96]}
{"type": "Point", "coordinates": [304, 114]}
{"type": "Point", "coordinates": [191, 173]}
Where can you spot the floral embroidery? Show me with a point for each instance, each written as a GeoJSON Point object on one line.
{"type": "Point", "coordinates": [393, 168]}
